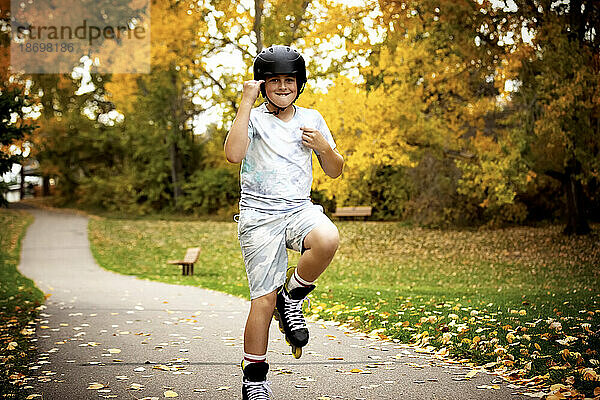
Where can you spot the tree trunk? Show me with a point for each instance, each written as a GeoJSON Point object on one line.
{"type": "Point", "coordinates": [45, 186]}
{"type": "Point", "coordinates": [258, 12]}
{"type": "Point", "coordinates": [22, 187]}
{"type": "Point", "coordinates": [174, 153]}
{"type": "Point", "coordinates": [175, 168]}
{"type": "Point", "coordinates": [576, 216]}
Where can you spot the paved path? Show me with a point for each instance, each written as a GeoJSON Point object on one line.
{"type": "Point", "coordinates": [105, 335]}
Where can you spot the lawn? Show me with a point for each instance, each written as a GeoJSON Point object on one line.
{"type": "Point", "coordinates": [19, 299]}
{"type": "Point", "coordinates": [524, 301]}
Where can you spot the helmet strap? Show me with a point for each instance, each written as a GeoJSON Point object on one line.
{"type": "Point", "coordinates": [277, 108]}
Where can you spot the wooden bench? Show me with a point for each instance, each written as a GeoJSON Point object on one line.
{"type": "Point", "coordinates": [364, 211]}
{"type": "Point", "coordinates": [187, 264]}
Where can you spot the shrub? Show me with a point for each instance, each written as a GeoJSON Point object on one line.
{"type": "Point", "coordinates": [210, 190]}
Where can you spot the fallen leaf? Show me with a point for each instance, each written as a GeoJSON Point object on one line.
{"type": "Point", "coordinates": [170, 393]}
{"type": "Point", "coordinates": [95, 386]}
{"type": "Point", "coordinates": [471, 374]}
{"type": "Point", "coordinates": [136, 386]}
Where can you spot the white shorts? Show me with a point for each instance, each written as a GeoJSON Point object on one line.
{"type": "Point", "coordinates": [264, 239]}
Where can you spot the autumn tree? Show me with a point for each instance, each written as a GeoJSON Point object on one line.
{"type": "Point", "coordinates": [552, 70]}
{"type": "Point", "coordinates": [428, 93]}
{"type": "Point", "coordinates": [14, 123]}
{"type": "Point", "coordinates": [159, 105]}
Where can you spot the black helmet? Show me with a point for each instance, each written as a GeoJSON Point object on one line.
{"type": "Point", "coordinates": [277, 60]}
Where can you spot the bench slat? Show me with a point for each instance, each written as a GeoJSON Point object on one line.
{"type": "Point", "coordinates": [187, 264]}
{"type": "Point", "coordinates": [361, 211]}
{"type": "Point", "coordinates": [191, 255]}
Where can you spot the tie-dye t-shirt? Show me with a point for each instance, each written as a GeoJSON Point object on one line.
{"type": "Point", "coordinates": [276, 174]}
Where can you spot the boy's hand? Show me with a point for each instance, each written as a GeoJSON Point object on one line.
{"type": "Point", "coordinates": [251, 90]}
{"type": "Point", "coordinates": [313, 139]}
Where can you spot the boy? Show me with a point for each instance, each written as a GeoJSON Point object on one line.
{"type": "Point", "coordinates": [274, 142]}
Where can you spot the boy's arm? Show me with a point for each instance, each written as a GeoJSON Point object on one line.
{"type": "Point", "coordinates": [236, 143]}
{"type": "Point", "coordinates": [331, 161]}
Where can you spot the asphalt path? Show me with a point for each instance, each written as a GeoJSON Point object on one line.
{"type": "Point", "coordinates": [105, 335]}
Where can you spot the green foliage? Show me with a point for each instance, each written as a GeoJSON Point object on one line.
{"type": "Point", "coordinates": [387, 189]}
{"type": "Point", "coordinates": [121, 191]}
{"type": "Point", "coordinates": [320, 198]}
{"type": "Point", "coordinates": [13, 130]}
{"type": "Point", "coordinates": [210, 190]}
{"type": "Point", "coordinates": [19, 299]}
{"type": "Point", "coordinates": [434, 201]}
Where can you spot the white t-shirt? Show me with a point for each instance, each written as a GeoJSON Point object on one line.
{"type": "Point", "coordinates": [276, 174]}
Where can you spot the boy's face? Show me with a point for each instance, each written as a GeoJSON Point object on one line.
{"type": "Point", "coordinates": [281, 89]}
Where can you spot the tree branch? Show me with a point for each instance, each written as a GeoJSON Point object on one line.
{"type": "Point", "coordinates": [216, 82]}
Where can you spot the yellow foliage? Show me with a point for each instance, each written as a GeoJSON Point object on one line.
{"type": "Point", "coordinates": [175, 34]}
{"type": "Point", "coordinates": [365, 130]}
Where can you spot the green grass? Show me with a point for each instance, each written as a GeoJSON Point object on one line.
{"type": "Point", "coordinates": [521, 300]}
{"type": "Point", "coordinates": [19, 299]}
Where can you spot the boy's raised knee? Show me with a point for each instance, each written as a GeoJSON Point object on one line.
{"type": "Point", "coordinates": [325, 238]}
{"type": "Point", "coordinates": [332, 239]}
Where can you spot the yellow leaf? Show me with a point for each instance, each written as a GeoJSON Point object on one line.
{"type": "Point", "coordinates": [471, 374]}
{"type": "Point", "coordinates": [95, 386]}
{"type": "Point", "coordinates": [170, 393]}
{"type": "Point", "coordinates": [114, 351]}
{"type": "Point", "coordinates": [590, 375]}
{"type": "Point", "coordinates": [136, 386]}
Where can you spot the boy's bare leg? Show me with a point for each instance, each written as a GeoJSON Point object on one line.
{"type": "Point", "coordinates": [256, 333]}
{"type": "Point", "coordinates": [320, 244]}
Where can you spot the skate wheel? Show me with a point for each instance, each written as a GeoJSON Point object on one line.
{"type": "Point", "coordinates": [279, 323]}
{"type": "Point", "coordinates": [297, 352]}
